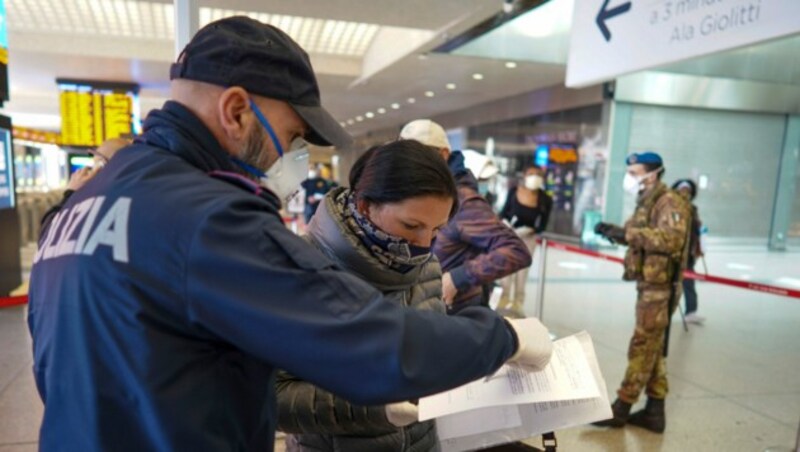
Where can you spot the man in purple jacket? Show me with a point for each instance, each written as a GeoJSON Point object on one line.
{"type": "Point", "coordinates": [475, 248]}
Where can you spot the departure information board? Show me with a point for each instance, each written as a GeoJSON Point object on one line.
{"type": "Point", "coordinates": [7, 191]}
{"type": "Point", "coordinates": [3, 53]}
{"type": "Point", "coordinates": [93, 112]}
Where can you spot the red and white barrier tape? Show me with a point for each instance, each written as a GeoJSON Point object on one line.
{"type": "Point", "coordinates": [577, 250]}
{"type": "Point", "coordinates": [13, 301]}
{"type": "Point", "coordinates": [758, 287]}
{"type": "Point", "coordinates": [763, 288]}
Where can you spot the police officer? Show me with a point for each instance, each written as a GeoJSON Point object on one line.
{"type": "Point", "coordinates": [656, 236]}
{"type": "Point", "coordinates": [167, 289]}
{"type": "Point", "coordinates": [316, 187]}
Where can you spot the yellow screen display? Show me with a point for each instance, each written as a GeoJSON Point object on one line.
{"type": "Point", "coordinates": [89, 116]}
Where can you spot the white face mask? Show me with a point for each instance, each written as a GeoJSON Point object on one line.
{"type": "Point", "coordinates": [634, 185]}
{"type": "Point", "coordinates": [631, 184]}
{"type": "Point", "coordinates": [534, 182]}
{"type": "Point", "coordinates": [286, 175]}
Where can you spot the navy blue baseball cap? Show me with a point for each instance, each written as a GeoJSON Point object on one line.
{"type": "Point", "coordinates": [240, 51]}
{"type": "Point", "coordinates": [645, 158]}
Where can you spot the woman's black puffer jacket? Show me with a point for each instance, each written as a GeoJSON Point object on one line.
{"type": "Point", "coordinates": [317, 420]}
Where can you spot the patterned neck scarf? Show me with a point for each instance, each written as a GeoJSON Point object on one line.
{"type": "Point", "coordinates": [394, 252]}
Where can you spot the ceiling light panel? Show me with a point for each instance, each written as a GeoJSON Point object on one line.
{"type": "Point", "coordinates": [120, 18]}
{"type": "Point", "coordinates": [333, 37]}
{"type": "Point", "coordinates": [153, 20]}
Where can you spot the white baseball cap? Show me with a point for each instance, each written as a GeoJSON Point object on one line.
{"type": "Point", "coordinates": [426, 132]}
{"type": "Point", "coordinates": [481, 166]}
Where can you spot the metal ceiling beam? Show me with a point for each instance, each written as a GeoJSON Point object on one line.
{"type": "Point", "coordinates": [187, 22]}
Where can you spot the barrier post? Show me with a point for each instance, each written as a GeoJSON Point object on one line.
{"type": "Point", "coordinates": [784, 448]}
{"type": "Point", "coordinates": [797, 443]}
{"type": "Point", "coordinates": [542, 272]}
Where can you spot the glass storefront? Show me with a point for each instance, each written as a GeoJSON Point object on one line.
{"type": "Point", "coordinates": [570, 145]}
{"type": "Point", "coordinates": [794, 225]}
{"type": "Point", "coordinates": [733, 156]}
{"type": "Point", "coordinates": [39, 166]}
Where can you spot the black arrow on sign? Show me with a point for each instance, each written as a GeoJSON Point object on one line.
{"type": "Point", "coordinates": [606, 14]}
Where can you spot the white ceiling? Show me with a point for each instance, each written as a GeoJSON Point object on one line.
{"type": "Point", "coordinates": [542, 36]}
{"type": "Point", "coordinates": [413, 77]}
{"type": "Point", "coordinates": [151, 20]}
{"type": "Point", "coordinates": [371, 56]}
{"type": "Point", "coordinates": [366, 53]}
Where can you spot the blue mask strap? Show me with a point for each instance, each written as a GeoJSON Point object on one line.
{"type": "Point", "coordinates": [263, 120]}
{"type": "Point", "coordinates": [249, 168]}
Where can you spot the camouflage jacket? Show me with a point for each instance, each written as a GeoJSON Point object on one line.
{"type": "Point", "coordinates": [657, 237]}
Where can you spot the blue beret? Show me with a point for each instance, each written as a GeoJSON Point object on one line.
{"type": "Point", "coordinates": [646, 158]}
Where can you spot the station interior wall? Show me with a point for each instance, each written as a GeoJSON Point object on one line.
{"type": "Point", "coordinates": [738, 153]}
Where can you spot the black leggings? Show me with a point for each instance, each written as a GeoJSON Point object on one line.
{"type": "Point", "coordinates": [690, 293]}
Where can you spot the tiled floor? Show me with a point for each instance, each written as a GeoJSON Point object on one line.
{"type": "Point", "coordinates": [735, 382]}
{"type": "Point", "coordinates": [20, 408]}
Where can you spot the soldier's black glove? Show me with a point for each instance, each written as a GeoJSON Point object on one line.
{"type": "Point", "coordinates": [612, 232]}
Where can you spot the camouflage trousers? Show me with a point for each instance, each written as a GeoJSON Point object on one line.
{"type": "Point", "coordinates": [647, 367]}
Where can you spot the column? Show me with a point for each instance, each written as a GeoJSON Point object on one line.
{"type": "Point", "coordinates": [785, 190]}
{"type": "Point", "coordinates": [187, 22]}
{"type": "Point", "coordinates": [619, 144]}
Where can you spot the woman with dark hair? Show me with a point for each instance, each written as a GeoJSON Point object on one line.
{"type": "Point", "coordinates": [527, 210]}
{"type": "Point", "coordinates": [688, 189]}
{"type": "Point", "coordinates": [381, 229]}
{"type": "Point", "coordinates": [79, 178]}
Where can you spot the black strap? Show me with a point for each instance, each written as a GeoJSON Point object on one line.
{"type": "Point", "coordinates": [672, 304]}
{"type": "Point", "coordinates": [670, 307]}
{"type": "Point", "coordinates": [549, 442]}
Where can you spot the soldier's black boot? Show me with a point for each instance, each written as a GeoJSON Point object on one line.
{"type": "Point", "coordinates": [621, 411]}
{"type": "Point", "coordinates": [651, 417]}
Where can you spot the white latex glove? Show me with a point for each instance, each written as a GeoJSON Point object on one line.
{"type": "Point", "coordinates": [535, 346]}
{"type": "Point", "coordinates": [524, 230]}
{"type": "Point", "coordinates": [402, 414]}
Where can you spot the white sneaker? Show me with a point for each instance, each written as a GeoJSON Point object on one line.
{"type": "Point", "coordinates": [694, 318]}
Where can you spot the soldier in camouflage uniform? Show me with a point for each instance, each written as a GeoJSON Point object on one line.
{"type": "Point", "coordinates": [657, 238]}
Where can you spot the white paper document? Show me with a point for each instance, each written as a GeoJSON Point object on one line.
{"type": "Point", "coordinates": [484, 427]}
{"type": "Point", "coordinates": [567, 377]}
{"type": "Point", "coordinates": [479, 421]}
{"type": "Point", "coordinates": [494, 298]}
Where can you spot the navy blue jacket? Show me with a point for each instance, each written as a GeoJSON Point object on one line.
{"type": "Point", "coordinates": [163, 299]}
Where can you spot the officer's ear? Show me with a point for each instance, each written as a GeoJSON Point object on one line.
{"type": "Point", "coordinates": [657, 174]}
{"type": "Point", "coordinates": [235, 114]}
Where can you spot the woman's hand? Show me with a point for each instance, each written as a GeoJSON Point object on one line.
{"type": "Point", "coordinates": [80, 177]}
{"type": "Point", "coordinates": [402, 414]}
{"type": "Point", "coordinates": [449, 290]}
